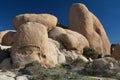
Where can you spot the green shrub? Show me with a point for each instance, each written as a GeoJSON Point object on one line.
{"type": "Point", "coordinates": [60, 72]}
{"type": "Point", "coordinates": [91, 53]}
{"type": "Point", "coordinates": [95, 70]}
{"type": "Point", "coordinates": [36, 71]}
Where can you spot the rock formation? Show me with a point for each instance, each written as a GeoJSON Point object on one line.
{"type": "Point", "coordinates": [40, 43]}
{"type": "Point", "coordinates": [70, 39]}
{"type": "Point", "coordinates": [48, 20]}
{"type": "Point", "coordinates": [7, 37]}
{"type": "Point", "coordinates": [39, 37]}
{"type": "Point", "coordinates": [84, 22]}
{"type": "Point", "coordinates": [115, 51]}
{"type": "Point", "coordinates": [106, 66]}
{"type": "Point", "coordinates": [56, 56]}
{"type": "Point", "coordinates": [31, 44]}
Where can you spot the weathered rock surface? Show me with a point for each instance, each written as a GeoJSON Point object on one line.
{"type": "Point", "coordinates": [7, 37]}
{"type": "Point", "coordinates": [4, 77]}
{"type": "Point", "coordinates": [56, 55]}
{"type": "Point", "coordinates": [70, 39]}
{"type": "Point", "coordinates": [48, 20]}
{"type": "Point", "coordinates": [107, 62]}
{"type": "Point", "coordinates": [7, 75]}
{"type": "Point", "coordinates": [106, 66]}
{"type": "Point", "coordinates": [6, 64]}
{"type": "Point", "coordinates": [72, 55]}
{"type": "Point", "coordinates": [22, 78]}
{"type": "Point", "coordinates": [12, 75]}
{"type": "Point", "coordinates": [31, 44]}
{"type": "Point", "coordinates": [56, 43]}
{"type": "Point", "coordinates": [84, 22]}
{"type": "Point", "coordinates": [115, 51]}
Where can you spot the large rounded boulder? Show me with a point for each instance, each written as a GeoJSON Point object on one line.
{"type": "Point", "coordinates": [70, 39]}
{"type": "Point", "coordinates": [7, 37]}
{"type": "Point", "coordinates": [87, 24]}
{"type": "Point", "coordinates": [31, 44]}
{"type": "Point", "coordinates": [48, 20]}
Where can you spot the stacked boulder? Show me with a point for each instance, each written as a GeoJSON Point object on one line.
{"type": "Point", "coordinates": [48, 20]}
{"type": "Point", "coordinates": [38, 38]}
{"type": "Point", "coordinates": [70, 39]}
{"type": "Point", "coordinates": [31, 41]}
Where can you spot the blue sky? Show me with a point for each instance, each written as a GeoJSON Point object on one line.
{"type": "Point", "coordinates": [108, 12]}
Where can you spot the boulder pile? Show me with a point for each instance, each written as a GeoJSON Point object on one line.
{"type": "Point", "coordinates": [38, 38]}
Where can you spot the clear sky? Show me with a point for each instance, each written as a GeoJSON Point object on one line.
{"type": "Point", "coordinates": [108, 12]}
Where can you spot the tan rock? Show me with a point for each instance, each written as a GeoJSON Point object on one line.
{"type": "Point", "coordinates": [72, 55]}
{"type": "Point", "coordinates": [48, 20]}
{"type": "Point", "coordinates": [84, 22]}
{"type": "Point", "coordinates": [73, 40]}
{"type": "Point", "coordinates": [70, 39]}
{"type": "Point", "coordinates": [56, 43]}
{"type": "Point", "coordinates": [83, 58]}
{"type": "Point", "coordinates": [115, 51]}
{"type": "Point", "coordinates": [56, 32]}
{"type": "Point", "coordinates": [7, 37]}
{"type": "Point", "coordinates": [56, 55]}
{"type": "Point", "coordinates": [31, 44]}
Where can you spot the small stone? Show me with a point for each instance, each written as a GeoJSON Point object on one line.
{"type": "Point", "coordinates": [83, 58]}
{"type": "Point", "coordinates": [22, 77]}
{"type": "Point", "coordinates": [7, 73]}
{"type": "Point", "coordinates": [5, 77]}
